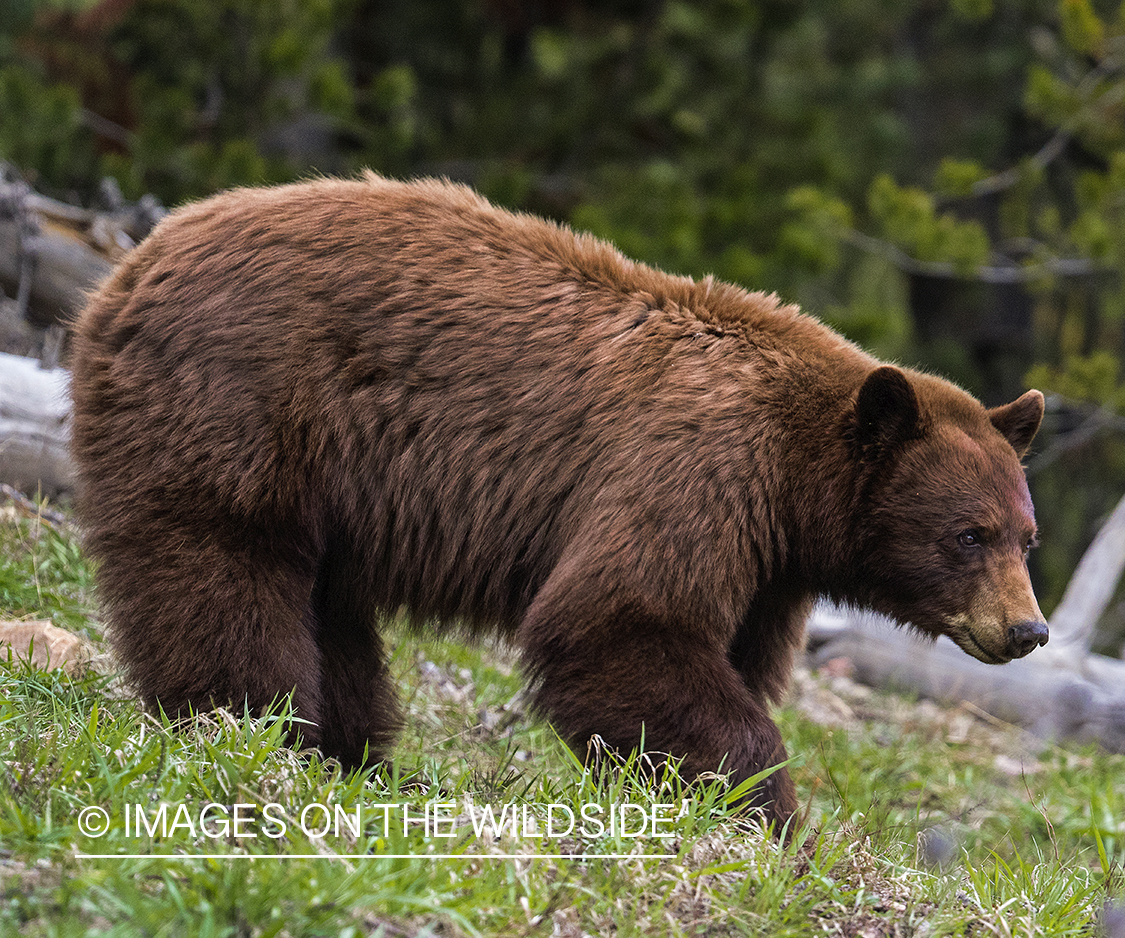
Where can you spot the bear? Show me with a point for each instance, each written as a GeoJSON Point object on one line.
{"type": "Point", "coordinates": [298, 410]}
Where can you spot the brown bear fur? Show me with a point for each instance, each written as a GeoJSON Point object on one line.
{"type": "Point", "coordinates": [298, 409]}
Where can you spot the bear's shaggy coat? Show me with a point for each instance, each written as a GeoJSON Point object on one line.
{"type": "Point", "coordinates": [298, 409]}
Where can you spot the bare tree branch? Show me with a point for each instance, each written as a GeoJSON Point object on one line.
{"type": "Point", "coordinates": [1006, 273]}
{"type": "Point", "coordinates": [1008, 178]}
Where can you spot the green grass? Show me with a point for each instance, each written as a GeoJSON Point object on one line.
{"type": "Point", "coordinates": [920, 821]}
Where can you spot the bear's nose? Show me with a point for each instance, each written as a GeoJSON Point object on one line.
{"type": "Point", "coordinates": [1025, 637]}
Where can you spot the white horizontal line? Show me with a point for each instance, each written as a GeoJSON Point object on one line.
{"type": "Point", "coordinates": [374, 856]}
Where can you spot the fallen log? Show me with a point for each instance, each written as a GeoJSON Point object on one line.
{"type": "Point", "coordinates": [34, 421]}
{"type": "Point", "coordinates": [52, 253]}
{"type": "Point", "coordinates": [1053, 701]}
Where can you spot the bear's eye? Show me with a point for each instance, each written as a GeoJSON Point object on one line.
{"type": "Point", "coordinates": [1032, 543]}
{"type": "Point", "coordinates": [970, 538]}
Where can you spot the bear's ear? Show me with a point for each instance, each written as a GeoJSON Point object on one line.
{"type": "Point", "coordinates": [886, 412]}
{"type": "Point", "coordinates": [1019, 420]}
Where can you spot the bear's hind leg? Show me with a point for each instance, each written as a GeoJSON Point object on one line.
{"type": "Point", "coordinates": [360, 712]}
{"type": "Point", "coordinates": [202, 620]}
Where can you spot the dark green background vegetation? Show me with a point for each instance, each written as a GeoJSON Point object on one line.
{"type": "Point", "coordinates": [944, 180]}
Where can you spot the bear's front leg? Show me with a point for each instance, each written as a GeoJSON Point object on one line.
{"type": "Point", "coordinates": [623, 668]}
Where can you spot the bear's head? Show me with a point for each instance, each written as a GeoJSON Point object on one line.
{"type": "Point", "coordinates": [945, 519]}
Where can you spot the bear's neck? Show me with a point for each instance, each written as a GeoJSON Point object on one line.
{"type": "Point", "coordinates": [815, 473]}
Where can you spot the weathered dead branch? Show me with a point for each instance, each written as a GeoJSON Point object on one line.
{"type": "Point", "coordinates": [52, 253]}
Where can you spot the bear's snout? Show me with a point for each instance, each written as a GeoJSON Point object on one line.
{"type": "Point", "coordinates": [1025, 637]}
